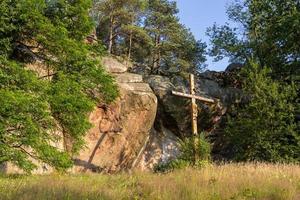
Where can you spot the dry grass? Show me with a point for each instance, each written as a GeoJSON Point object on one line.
{"type": "Point", "coordinates": [231, 181]}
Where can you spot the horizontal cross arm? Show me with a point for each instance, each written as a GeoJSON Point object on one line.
{"type": "Point", "coordinates": [193, 97]}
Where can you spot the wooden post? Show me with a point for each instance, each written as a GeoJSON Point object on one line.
{"type": "Point", "coordinates": [194, 113]}
{"type": "Point", "coordinates": [194, 109]}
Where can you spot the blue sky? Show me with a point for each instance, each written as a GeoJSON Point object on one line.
{"type": "Point", "coordinates": [198, 15]}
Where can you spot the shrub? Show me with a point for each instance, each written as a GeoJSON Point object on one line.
{"type": "Point", "coordinates": [264, 128]}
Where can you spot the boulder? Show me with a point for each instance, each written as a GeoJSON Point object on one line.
{"type": "Point", "coordinates": [234, 67]}
{"type": "Point", "coordinates": [161, 148]}
{"type": "Point", "coordinates": [143, 126]}
{"type": "Point", "coordinates": [129, 78]}
{"type": "Point", "coordinates": [174, 112]}
{"type": "Point", "coordinates": [120, 130]}
{"type": "Point", "coordinates": [210, 88]}
{"type": "Point", "coordinates": [113, 66]}
{"type": "Point", "coordinates": [143, 70]}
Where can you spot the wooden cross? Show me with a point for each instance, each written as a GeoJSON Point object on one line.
{"type": "Point", "coordinates": [194, 109]}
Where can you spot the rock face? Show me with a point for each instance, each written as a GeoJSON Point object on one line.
{"type": "Point", "coordinates": [161, 148]}
{"type": "Point", "coordinates": [173, 115]}
{"type": "Point", "coordinates": [120, 130]}
{"type": "Point", "coordinates": [175, 111]}
{"type": "Point", "coordinates": [143, 126]}
{"type": "Point", "coordinates": [113, 66]}
{"type": "Point", "coordinates": [234, 67]}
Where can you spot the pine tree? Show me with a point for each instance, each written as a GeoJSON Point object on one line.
{"type": "Point", "coordinates": [133, 30]}
{"type": "Point", "coordinates": [183, 52]}
{"type": "Point", "coordinates": [110, 16]}
{"type": "Point", "coordinates": [160, 23]}
{"type": "Point", "coordinates": [173, 44]}
{"type": "Point", "coordinates": [148, 32]}
{"type": "Point", "coordinates": [120, 25]}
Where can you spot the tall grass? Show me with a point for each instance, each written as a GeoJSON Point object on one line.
{"type": "Point", "coordinates": [230, 181]}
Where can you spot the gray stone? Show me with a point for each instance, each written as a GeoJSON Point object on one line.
{"type": "Point", "coordinates": [143, 70]}
{"type": "Point", "coordinates": [136, 87]}
{"type": "Point", "coordinates": [234, 67]}
{"type": "Point", "coordinates": [174, 111]}
{"type": "Point", "coordinates": [113, 66]}
{"type": "Point", "coordinates": [129, 78]}
{"type": "Point", "coordinates": [162, 147]}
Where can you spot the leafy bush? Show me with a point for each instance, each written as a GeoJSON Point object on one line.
{"type": "Point", "coordinates": [264, 129]}
{"type": "Point", "coordinates": [34, 107]}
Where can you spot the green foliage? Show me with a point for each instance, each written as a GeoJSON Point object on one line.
{"type": "Point", "coordinates": [229, 181]}
{"type": "Point", "coordinates": [70, 107]}
{"type": "Point", "coordinates": [264, 129]}
{"type": "Point", "coordinates": [226, 43]}
{"type": "Point", "coordinates": [170, 166]}
{"type": "Point", "coordinates": [26, 121]}
{"type": "Point", "coordinates": [195, 152]}
{"type": "Point", "coordinates": [149, 33]}
{"type": "Point", "coordinates": [267, 31]}
{"type": "Point", "coordinates": [174, 45]}
{"type": "Point", "coordinates": [118, 24]}
{"type": "Point", "coordinates": [36, 106]}
{"type": "Point", "coordinates": [196, 146]}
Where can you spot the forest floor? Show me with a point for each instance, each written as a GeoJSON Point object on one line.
{"type": "Point", "coordinates": [230, 181]}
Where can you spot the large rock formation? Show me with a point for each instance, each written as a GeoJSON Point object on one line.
{"type": "Point", "coordinates": [143, 126]}
{"type": "Point", "coordinates": [173, 120]}
{"type": "Point", "coordinates": [175, 111]}
{"type": "Point", "coordinates": [121, 129]}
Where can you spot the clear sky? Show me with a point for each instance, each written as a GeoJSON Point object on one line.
{"type": "Point", "coordinates": [198, 15]}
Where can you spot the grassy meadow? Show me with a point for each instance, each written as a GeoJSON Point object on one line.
{"type": "Point", "coordinates": [230, 181]}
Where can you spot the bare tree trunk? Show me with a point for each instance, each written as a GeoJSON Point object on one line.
{"type": "Point", "coordinates": [111, 29]}
{"type": "Point", "coordinates": [156, 54]}
{"type": "Point", "coordinates": [130, 39]}
{"type": "Point", "coordinates": [66, 141]}
{"type": "Point", "coordinates": [130, 45]}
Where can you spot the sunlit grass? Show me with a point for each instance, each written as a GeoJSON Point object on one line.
{"type": "Point", "coordinates": [230, 181]}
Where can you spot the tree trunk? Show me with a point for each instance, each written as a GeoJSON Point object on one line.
{"type": "Point", "coordinates": [66, 141]}
{"type": "Point", "coordinates": [111, 29]}
{"type": "Point", "coordinates": [130, 45]}
{"type": "Point", "coordinates": [156, 54]}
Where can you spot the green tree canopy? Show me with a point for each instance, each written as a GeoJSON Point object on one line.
{"type": "Point", "coordinates": [174, 44]}
{"type": "Point", "coordinates": [50, 35]}
{"type": "Point", "coordinates": [148, 32]}
{"type": "Point", "coordinates": [267, 31]}
{"type": "Point", "coordinates": [264, 128]}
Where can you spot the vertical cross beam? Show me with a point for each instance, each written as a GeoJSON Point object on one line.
{"type": "Point", "coordinates": [194, 113]}
{"type": "Point", "coordinates": [194, 109]}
